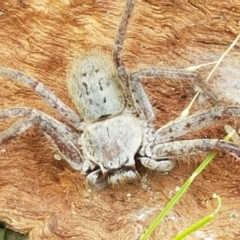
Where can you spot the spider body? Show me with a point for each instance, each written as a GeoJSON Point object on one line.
{"type": "Point", "coordinates": [113, 146]}
{"type": "Point", "coordinates": [114, 126]}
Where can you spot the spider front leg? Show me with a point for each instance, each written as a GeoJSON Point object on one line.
{"type": "Point", "coordinates": [135, 90]}
{"type": "Point", "coordinates": [176, 149]}
{"type": "Point", "coordinates": [160, 150]}
{"type": "Point", "coordinates": [118, 45]}
{"type": "Point", "coordinates": [44, 93]}
{"type": "Point", "coordinates": [180, 127]}
{"type": "Point", "coordinates": [171, 150]}
{"type": "Point", "coordinates": [59, 134]}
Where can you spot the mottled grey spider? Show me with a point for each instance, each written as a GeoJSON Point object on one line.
{"type": "Point", "coordinates": [114, 128]}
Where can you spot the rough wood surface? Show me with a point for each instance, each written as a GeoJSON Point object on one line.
{"type": "Point", "coordinates": [45, 197]}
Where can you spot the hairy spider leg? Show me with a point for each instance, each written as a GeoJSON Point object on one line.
{"type": "Point", "coordinates": [164, 147]}
{"type": "Point", "coordinates": [135, 90]}
{"type": "Point", "coordinates": [176, 149]}
{"type": "Point", "coordinates": [47, 95]}
{"type": "Point", "coordinates": [118, 45]}
{"type": "Point", "coordinates": [180, 127]}
{"type": "Point", "coordinates": [140, 98]}
{"type": "Point", "coordinates": [59, 134]}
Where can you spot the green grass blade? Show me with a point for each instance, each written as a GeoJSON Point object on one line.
{"type": "Point", "coordinates": [181, 191]}
{"type": "Point", "coordinates": [4, 234]}
{"type": "Point", "coordinates": [177, 196]}
{"type": "Point", "coordinates": [200, 223]}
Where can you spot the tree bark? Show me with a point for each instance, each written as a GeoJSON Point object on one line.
{"type": "Point", "coordinates": [48, 199]}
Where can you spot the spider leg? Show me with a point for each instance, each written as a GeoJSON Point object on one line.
{"type": "Point", "coordinates": [140, 98]}
{"type": "Point", "coordinates": [136, 91]}
{"type": "Point", "coordinates": [16, 112]}
{"type": "Point", "coordinates": [122, 72]}
{"type": "Point", "coordinates": [60, 135]}
{"type": "Point", "coordinates": [180, 127]}
{"type": "Point", "coordinates": [161, 166]}
{"type": "Point", "coordinates": [162, 152]}
{"type": "Point", "coordinates": [44, 93]}
{"type": "Point", "coordinates": [174, 74]}
{"type": "Point", "coordinates": [190, 147]}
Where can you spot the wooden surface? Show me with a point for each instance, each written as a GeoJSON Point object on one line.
{"type": "Point", "coordinates": [45, 197]}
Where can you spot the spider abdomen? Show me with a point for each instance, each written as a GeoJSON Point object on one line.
{"type": "Point", "coordinates": [94, 86]}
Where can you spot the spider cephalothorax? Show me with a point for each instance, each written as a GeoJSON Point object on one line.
{"type": "Point", "coordinates": [114, 127]}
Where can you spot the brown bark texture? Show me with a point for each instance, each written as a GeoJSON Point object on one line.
{"type": "Point", "coordinates": [45, 197]}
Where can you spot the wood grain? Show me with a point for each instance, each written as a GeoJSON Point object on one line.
{"type": "Point", "coordinates": [45, 197]}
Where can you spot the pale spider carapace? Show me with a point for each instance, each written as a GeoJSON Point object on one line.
{"type": "Point", "coordinates": [114, 129]}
